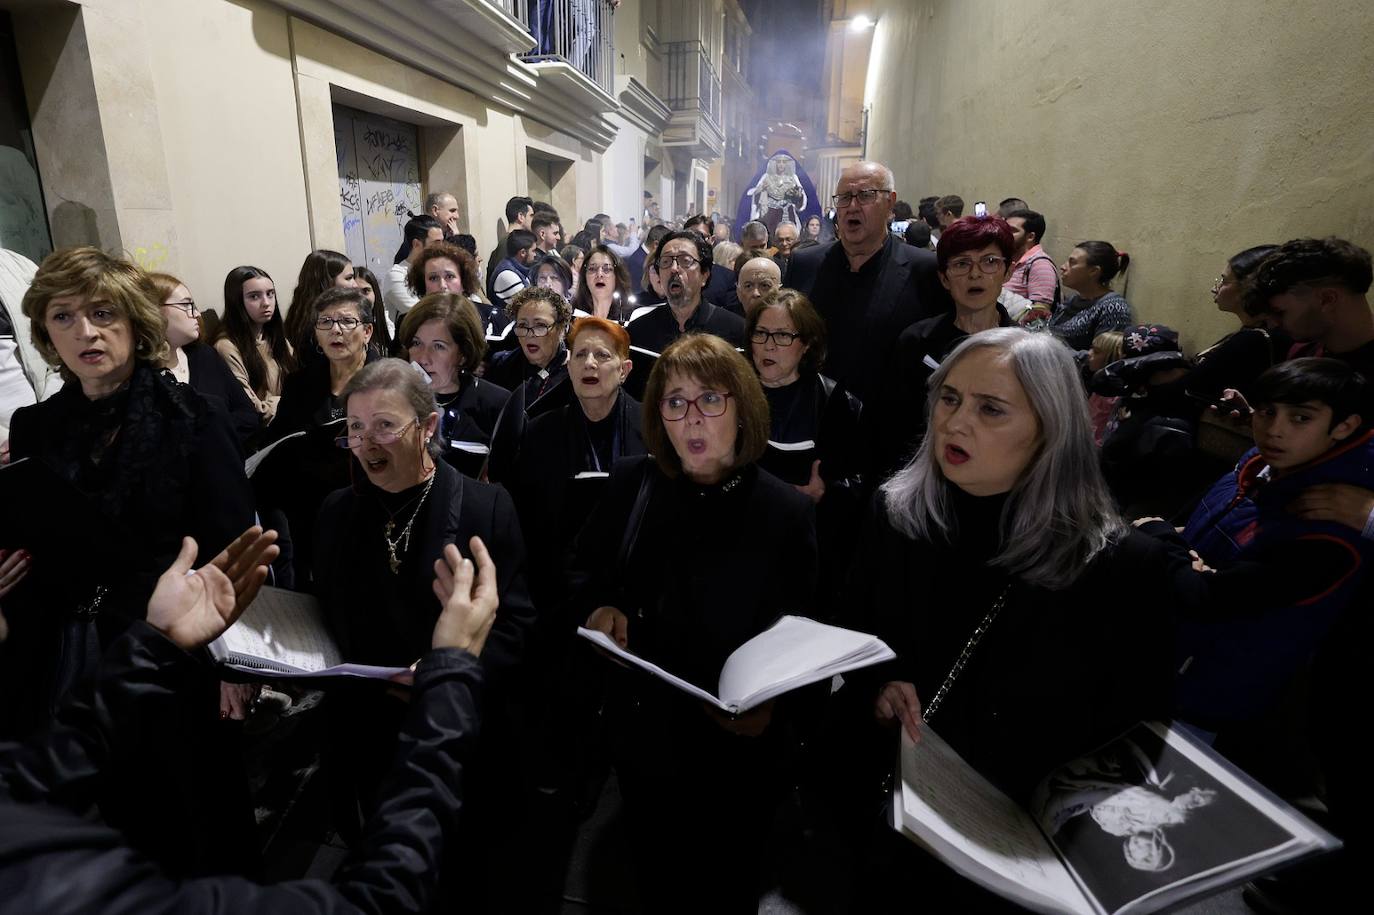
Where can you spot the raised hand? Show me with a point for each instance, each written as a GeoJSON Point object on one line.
{"type": "Point", "coordinates": [467, 590]}
{"type": "Point", "coordinates": [194, 608]}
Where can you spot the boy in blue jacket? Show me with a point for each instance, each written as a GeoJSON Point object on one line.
{"type": "Point", "coordinates": [1275, 584]}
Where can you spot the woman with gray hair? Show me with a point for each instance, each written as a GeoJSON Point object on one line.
{"type": "Point", "coordinates": [377, 545]}
{"type": "Point", "coordinates": [378, 539]}
{"type": "Point", "coordinates": [1030, 623]}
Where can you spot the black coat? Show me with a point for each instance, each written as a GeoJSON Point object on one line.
{"type": "Point", "coordinates": [634, 264]}
{"type": "Point", "coordinates": [861, 335]}
{"type": "Point", "coordinates": [174, 469]}
{"type": "Point", "coordinates": [468, 422]}
{"type": "Point", "coordinates": [1057, 673]}
{"type": "Point", "coordinates": [553, 506]}
{"type": "Point", "coordinates": [711, 567]}
{"type": "Point", "coordinates": [655, 329]}
{"type": "Point", "coordinates": [49, 850]}
{"type": "Point", "coordinates": [212, 378]}
{"type": "Point", "coordinates": [361, 598]}
{"type": "Point", "coordinates": [896, 422]}
{"type": "Point", "coordinates": [299, 474]}
{"type": "Point", "coordinates": [510, 369]}
{"type": "Point", "coordinates": [719, 284]}
{"type": "Point", "coordinates": [818, 410]}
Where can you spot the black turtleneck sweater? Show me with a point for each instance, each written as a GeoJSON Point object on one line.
{"type": "Point", "coordinates": [1058, 672]}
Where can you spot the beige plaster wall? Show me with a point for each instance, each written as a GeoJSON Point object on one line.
{"type": "Point", "coordinates": [197, 135]}
{"type": "Point", "coordinates": [1181, 131]}
{"type": "Point", "coordinates": [229, 139]}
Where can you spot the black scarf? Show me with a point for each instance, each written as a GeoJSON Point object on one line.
{"type": "Point", "coordinates": [128, 450]}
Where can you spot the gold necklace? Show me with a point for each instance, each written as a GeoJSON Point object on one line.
{"type": "Point", "coordinates": [402, 541]}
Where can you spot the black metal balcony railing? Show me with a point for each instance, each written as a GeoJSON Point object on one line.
{"type": "Point", "coordinates": [692, 81]}
{"type": "Point", "coordinates": [576, 32]}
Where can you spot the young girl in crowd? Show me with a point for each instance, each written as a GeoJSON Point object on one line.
{"type": "Point", "coordinates": [323, 269]}
{"type": "Point", "coordinates": [1106, 349]}
{"type": "Point", "coordinates": [252, 339]}
{"type": "Point", "coordinates": [384, 331]}
{"type": "Point", "coordinates": [193, 363]}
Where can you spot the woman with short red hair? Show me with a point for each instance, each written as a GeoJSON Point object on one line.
{"type": "Point", "coordinates": [973, 260]}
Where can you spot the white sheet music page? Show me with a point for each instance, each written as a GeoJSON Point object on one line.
{"type": "Point", "coordinates": [282, 626]}
{"type": "Point", "coordinates": [967, 822]}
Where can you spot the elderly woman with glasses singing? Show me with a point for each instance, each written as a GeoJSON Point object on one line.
{"type": "Point", "coordinates": [380, 542]}
{"type": "Point", "coordinates": [814, 441]}
{"type": "Point", "coordinates": [297, 475]}
{"type": "Point", "coordinates": [541, 318]}
{"type": "Point", "coordinates": [690, 553]}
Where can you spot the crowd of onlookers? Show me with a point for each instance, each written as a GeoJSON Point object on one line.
{"type": "Point", "coordinates": [912, 422]}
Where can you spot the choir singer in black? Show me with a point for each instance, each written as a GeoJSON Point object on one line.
{"type": "Point", "coordinates": [692, 552]}
{"type": "Point", "coordinates": [1030, 623]}
{"type": "Point", "coordinates": [814, 439]}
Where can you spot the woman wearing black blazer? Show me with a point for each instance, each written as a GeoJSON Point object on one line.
{"type": "Point", "coordinates": [443, 335]}
{"type": "Point", "coordinates": [297, 476]}
{"type": "Point", "coordinates": [142, 462]}
{"type": "Point", "coordinates": [814, 440]}
{"type": "Point", "coordinates": [376, 545]}
{"type": "Point", "coordinates": [566, 454]}
{"type": "Point", "coordinates": [691, 553]}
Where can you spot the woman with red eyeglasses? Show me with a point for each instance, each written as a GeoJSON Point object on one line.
{"type": "Point", "coordinates": [691, 552]}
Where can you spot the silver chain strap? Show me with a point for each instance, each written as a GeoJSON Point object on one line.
{"type": "Point", "coordinates": [962, 661]}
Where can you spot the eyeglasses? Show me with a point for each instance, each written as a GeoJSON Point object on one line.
{"type": "Point", "coordinates": [345, 324]}
{"type": "Point", "coordinates": [376, 436]}
{"type": "Point", "coordinates": [187, 306]}
{"type": "Point", "coordinates": [708, 403]}
{"type": "Point", "coordinates": [607, 269]}
{"type": "Point", "coordinates": [962, 266]}
{"type": "Point", "coordinates": [538, 329]}
{"type": "Point", "coordinates": [685, 261]}
{"type": "Point", "coordinates": [866, 197]}
{"type": "Point", "coordinates": [779, 337]}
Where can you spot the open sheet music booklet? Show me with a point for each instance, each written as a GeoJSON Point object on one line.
{"type": "Point", "coordinates": [283, 634]}
{"type": "Point", "coordinates": [1150, 820]}
{"type": "Point", "coordinates": [792, 653]}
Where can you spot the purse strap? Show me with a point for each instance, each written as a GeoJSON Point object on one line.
{"type": "Point", "coordinates": [962, 661]}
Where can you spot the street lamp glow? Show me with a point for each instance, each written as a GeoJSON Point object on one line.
{"type": "Point", "coordinates": [859, 23]}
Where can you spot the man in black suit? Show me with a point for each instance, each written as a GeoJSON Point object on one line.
{"type": "Point", "coordinates": [868, 285]}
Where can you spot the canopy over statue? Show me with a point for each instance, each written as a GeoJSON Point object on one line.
{"type": "Point", "coordinates": [780, 192]}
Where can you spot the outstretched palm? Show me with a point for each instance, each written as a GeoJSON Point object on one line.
{"type": "Point", "coordinates": [194, 609]}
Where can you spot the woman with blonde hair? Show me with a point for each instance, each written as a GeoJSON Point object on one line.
{"type": "Point", "coordinates": [150, 461]}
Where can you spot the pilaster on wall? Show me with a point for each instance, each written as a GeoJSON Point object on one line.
{"type": "Point", "coordinates": [104, 178]}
